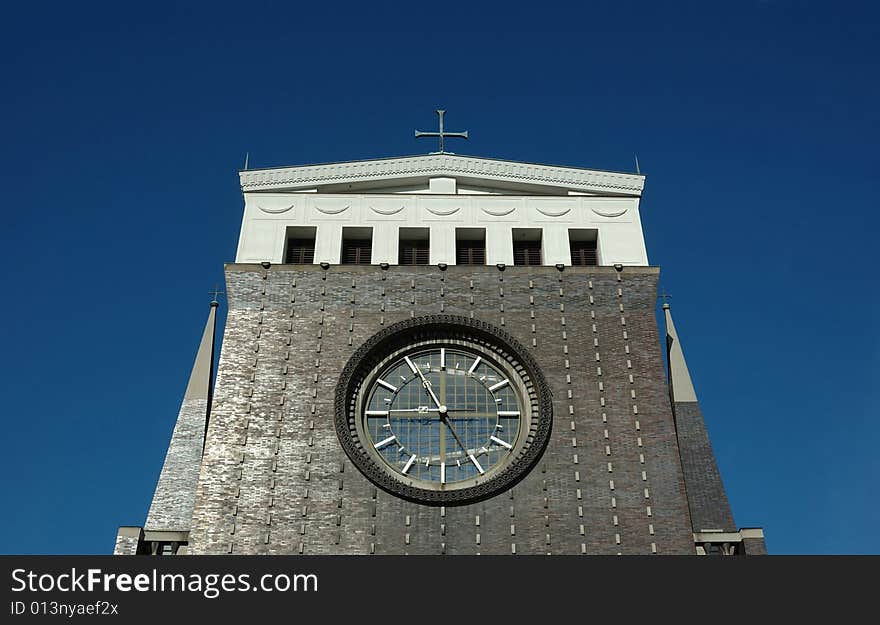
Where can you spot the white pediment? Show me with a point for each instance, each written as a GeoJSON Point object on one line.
{"type": "Point", "coordinates": [414, 175]}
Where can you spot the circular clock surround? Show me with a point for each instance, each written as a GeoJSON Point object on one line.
{"type": "Point", "coordinates": [377, 419]}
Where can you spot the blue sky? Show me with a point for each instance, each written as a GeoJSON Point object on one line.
{"type": "Point", "coordinates": [123, 129]}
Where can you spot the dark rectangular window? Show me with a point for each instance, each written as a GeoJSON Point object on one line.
{"type": "Point", "coordinates": [300, 248]}
{"type": "Point", "coordinates": [526, 252]}
{"type": "Point", "coordinates": [470, 252]}
{"type": "Point", "coordinates": [356, 251]}
{"type": "Point", "coordinates": [527, 246]}
{"type": "Point", "coordinates": [413, 252]}
{"type": "Point", "coordinates": [470, 246]}
{"type": "Point", "coordinates": [300, 251]}
{"type": "Point", "coordinates": [583, 253]}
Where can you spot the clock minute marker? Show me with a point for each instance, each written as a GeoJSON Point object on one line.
{"type": "Point", "coordinates": [500, 384]}
{"type": "Point", "coordinates": [504, 444]}
{"type": "Point", "coordinates": [387, 385]}
{"type": "Point", "coordinates": [382, 443]}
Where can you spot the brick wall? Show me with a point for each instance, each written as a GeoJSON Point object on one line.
{"type": "Point", "coordinates": [172, 505]}
{"type": "Point", "coordinates": [274, 478]}
{"type": "Point", "coordinates": [705, 491]}
{"type": "Point", "coordinates": [754, 546]}
{"type": "Point", "coordinates": [128, 539]}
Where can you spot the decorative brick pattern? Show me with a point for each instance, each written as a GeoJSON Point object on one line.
{"type": "Point", "coordinates": [273, 465]}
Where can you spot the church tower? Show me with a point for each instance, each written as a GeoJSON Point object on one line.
{"type": "Point", "coordinates": [440, 354]}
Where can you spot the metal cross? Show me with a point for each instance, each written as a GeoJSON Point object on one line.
{"type": "Point", "coordinates": [216, 292]}
{"type": "Point", "coordinates": [441, 134]}
{"type": "Point", "coordinates": [664, 296]}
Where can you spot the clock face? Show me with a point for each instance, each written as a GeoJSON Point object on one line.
{"type": "Point", "coordinates": [444, 411]}
{"type": "Point", "coordinates": [443, 416]}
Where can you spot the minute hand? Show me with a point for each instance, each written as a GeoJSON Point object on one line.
{"type": "Point", "coordinates": [425, 382]}
{"type": "Point", "coordinates": [444, 418]}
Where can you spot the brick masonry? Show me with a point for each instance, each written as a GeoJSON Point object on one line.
{"type": "Point", "coordinates": [707, 499]}
{"type": "Point", "coordinates": [275, 480]}
{"type": "Point", "coordinates": [128, 539]}
{"type": "Point", "coordinates": [173, 500]}
{"type": "Point", "coordinates": [754, 547]}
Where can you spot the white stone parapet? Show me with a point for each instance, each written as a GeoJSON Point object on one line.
{"type": "Point", "coordinates": [446, 196]}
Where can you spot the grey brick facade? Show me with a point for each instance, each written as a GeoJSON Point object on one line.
{"type": "Point", "coordinates": [705, 491]}
{"type": "Point", "coordinates": [128, 539]}
{"type": "Point", "coordinates": [275, 480]}
{"type": "Point", "coordinates": [173, 500]}
{"type": "Point", "coordinates": [172, 505]}
{"type": "Point", "coordinates": [754, 546]}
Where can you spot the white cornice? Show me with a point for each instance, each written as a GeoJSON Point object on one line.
{"type": "Point", "coordinates": [310, 176]}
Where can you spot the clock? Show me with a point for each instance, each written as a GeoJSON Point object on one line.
{"type": "Point", "coordinates": [443, 410]}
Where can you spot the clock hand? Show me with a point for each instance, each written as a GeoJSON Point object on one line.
{"type": "Point", "coordinates": [443, 417]}
{"type": "Point", "coordinates": [425, 383]}
{"type": "Point", "coordinates": [426, 409]}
